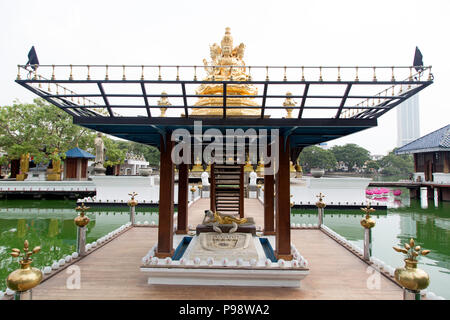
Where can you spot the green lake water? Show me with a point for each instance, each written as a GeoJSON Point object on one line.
{"type": "Point", "coordinates": [50, 225]}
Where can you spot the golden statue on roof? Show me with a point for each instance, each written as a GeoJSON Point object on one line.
{"type": "Point", "coordinates": [226, 64]}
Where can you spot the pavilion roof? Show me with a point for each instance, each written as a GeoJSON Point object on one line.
{"type": "Point", "coordinates": [79, 153]}
{"type": "Point", "coordinates": [438, 140]}
{"type": "Point", "coordinates": [121, 100]}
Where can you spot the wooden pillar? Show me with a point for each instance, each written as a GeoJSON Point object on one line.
{"type": "Point", "coordinates": [241, 192]}
{"type": "Point", "coordinates": [166, 195]}
{"type": "Point", "coordinates": [183, 184]}
{"type": "Point", "coordinates": [283, 216]}
{"type": "Point", "coordinates": [269, 228]}
{"type": "Point", "coordinates": [212, 190]}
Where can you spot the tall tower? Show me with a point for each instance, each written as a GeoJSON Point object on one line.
{"type": "Point", "coordinates": [408, 125]}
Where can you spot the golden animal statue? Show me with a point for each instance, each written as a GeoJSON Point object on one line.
{"type": "Point", "coordinates": [226, 64]}
{"type": "Point", "coordinates": [215, 217]}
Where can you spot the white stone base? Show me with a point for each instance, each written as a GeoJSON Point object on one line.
{"type": "Point", "coordinates": [225, 277]}
{"type": "Point", "coordinates": [252, 194]}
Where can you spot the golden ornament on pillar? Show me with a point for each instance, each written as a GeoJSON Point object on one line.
{"type": "Point", "coordinates": [289, 103]}
{"type": "Point", "coordinates": [368, 222]}
{"type": "Point", "coordinates": [82, 220]}
{"type": "Point", "coordinates": [26, 277]}
{"type": "Point", "coordinates": [208, 168]}
{"type": "Point", "coordinates": [193, 189]}
{"type": "Point", "coordinates": [411, 277]}
{"type": "Point", "coordinates": [248, 165]}
{"type": "Point", "coordinates": [260, 169]}
{"type": "Point", "coordinates": [197, 166]}
{"type": "Point", "coordinates": [163, 103]}
{"type": "Point", "coordinates": [132, 202]}
{"type": "Point", "coordinates": [226, 64]}
{"type": "Point", "coordinates": [320, 204]}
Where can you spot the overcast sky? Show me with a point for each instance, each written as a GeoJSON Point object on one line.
{"type": "Point", "coordinates": [382, 33]}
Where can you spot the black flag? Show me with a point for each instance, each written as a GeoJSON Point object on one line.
{"type": "Point", "coordinates": [32, 58]}
{"type": "Point", "coordinates": [418, 60]}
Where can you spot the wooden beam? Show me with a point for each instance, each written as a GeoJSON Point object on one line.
{"type": "Point", "coordinates": [283, 196]}
{"type": "Point", "coordinates": [183, 189]}
{"type": "Point", "coordinates": [166, 191]}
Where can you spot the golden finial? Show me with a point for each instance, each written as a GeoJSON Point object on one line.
{"type": "Point", "coordinates": [411, 277]}
{"type": "Point", "coordinates": [429, 74]}
{"type": "Point", "coordinates": [401, 89]}
{"type": "Point", "coordinates": [35, 72]}
{"type": "Point", "coordinates": [339, 74]}
{"type": "Point", "coordinates": [142, 72]}
{"type": "Point", "coordinates": [159, 73]}
{"type": "Point", "coordinates": [178, 73]}
{"type": "Point", "coordinates": [123, 73]}
{"type": "Point", "coordinates": [26, 277]}
{"type": "Point", "coordinates": [320, 71]}
{"type": "Point", "coordinates": [82, 220]}
{"type": "Point", "coordinates": [393, 93]}
{"type": "Point", "coordinates": [106, 74]}
{"type": "Point", "coordinates": [40, 85]}
{"type": "Point", "coordinates": [163, 102]}
{"type": "Point", "coordinates": [393, 77]}
{"type": "Point", "coordinates": [249, 78]}
{"type": "Point", "coordinates": [267, 73]}
{"type": "Point", "coordinates": [18, 72]}
{"type": "Point", "coordinates": [53, 72]}
{"type": "Point", "coordinates": [193, 189]}
{"type": "Point", "coordinates": [303, 73]}
{"type": "Point", "coordinates": [285, 77]}
{"type": "Point", "coordinates": [367, 222]}
{"type": "Point", "coordinates": [374, 75]}
{"type": "Point", "coordinates": [195, 73]}
{"type": "Point", "coordinates": [231, 73]}
{"type": "Point", "coordinates": [89, 73]}
{"type": "Point", "coordinates": [132, 202]}
{"type": "Point", "coordinates": [48, 88]}
{"type": "Point", "coordinates": [320, 204]}
{"type": "Point", "coordinates": [356, 78]}
{"type": "Point", "coordinates": [411, 250]}
{"type": "Point", "coordinates": [70, 76]}
{"type": "Point", "coordinates": [289, 103]}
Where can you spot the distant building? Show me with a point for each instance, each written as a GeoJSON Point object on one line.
{"type": "Point", "coordinates": [132, 164]}
{"type": "Point", "coordinates": [431, 158]}
{"type": "Point", "coordinates": [376, 157]}
{"type": "Point", "coordinates": [408, 124]}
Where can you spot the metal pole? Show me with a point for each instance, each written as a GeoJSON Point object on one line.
{"type": "Point", "coordinates": [81, 241]}
{"type": "Point", "coordinates": [320, 208]}
{"type": "Point", "coordinates": [367, 243]}
{"type": "Point", "coordinates": [132, 214]}
{"type": "Point", "coordinates": [410, 294]}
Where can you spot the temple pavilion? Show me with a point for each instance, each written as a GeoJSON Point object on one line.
{"type": "Point", "coordinates": [287, 107]}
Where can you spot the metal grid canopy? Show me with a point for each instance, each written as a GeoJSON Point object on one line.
{"type": "Point", "coordinates": [121, 100]}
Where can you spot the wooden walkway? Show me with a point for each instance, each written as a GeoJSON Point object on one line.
{"type": "Point", "coordinates": [112, 272]}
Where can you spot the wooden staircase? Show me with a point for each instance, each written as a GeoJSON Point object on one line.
{"type": "Point", "coordinates": [227, 186]}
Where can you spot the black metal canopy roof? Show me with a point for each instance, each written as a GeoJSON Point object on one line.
{"type": "Point", "coordinates": [332, 101]}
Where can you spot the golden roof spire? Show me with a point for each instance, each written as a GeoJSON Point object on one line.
{"type": "Point", "coordinates": [226, 64]}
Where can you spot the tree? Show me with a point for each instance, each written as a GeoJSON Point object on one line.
{"type": "Point", "coordinates": [393, 164]}
{"type": "Point", "coordinates": [40, 129]}
{"type": "Point", "coordinates": [114, 154]}
{"type": "Point", "coordinates": [316, 157]}
{"type": "Point", "coordinates": [351, 155]}
{"type": "Point", "coordinates": [372, 165]}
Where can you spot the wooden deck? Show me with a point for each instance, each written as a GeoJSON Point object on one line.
{"type": "Point", "coordinates": [112, 272]}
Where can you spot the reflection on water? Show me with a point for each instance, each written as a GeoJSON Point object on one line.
{"type": "Point", "coordinates": [430, 227]}
{"type": "Point", "coordinates": [49, 224]}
